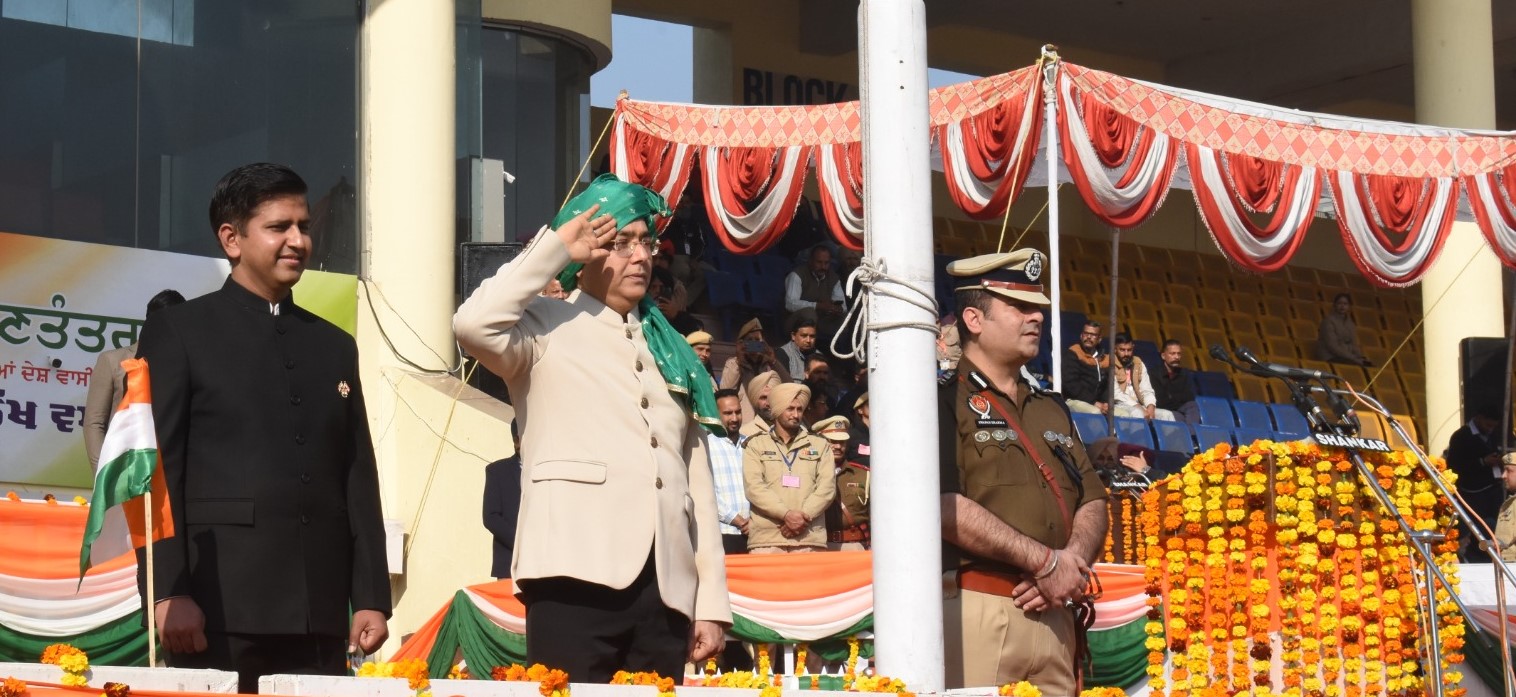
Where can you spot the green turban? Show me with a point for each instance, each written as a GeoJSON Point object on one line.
{"type": "Point", "coordinates": [681, 369]}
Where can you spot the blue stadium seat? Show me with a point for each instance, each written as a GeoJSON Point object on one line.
{"type": "Point", "coordinates": [1135, 431]}
{"type": "Point", "coordinates": [1148, 352]}
{"type": "Point", "coordinates": [1210, 436]}
{"type": "Point", "coordinates": [773, 265]}
{"type": "Point", "coordinates": [1091, 427]}
{"type": "Point", "coordinates": [1288, 421]}
{"type": "Point", "coordinates": [1245, 436]}
{"type": "Point", "coordinates": [1253, 415]}
{"type": "Point", "coordinates": [766, 293]}
{"type": "Point", "coordinates": [1174, 436]}
{"type": "Point", "coordinates": [1215, 411]}
{"type": "Point", "coordinates": [724, 288]}
{"type": "Point", "coordinates": [1209, 383]}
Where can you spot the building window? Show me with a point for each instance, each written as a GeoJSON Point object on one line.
{"type": "Point", "coordinates": [113, 136]}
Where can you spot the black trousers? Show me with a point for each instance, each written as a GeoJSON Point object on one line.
{"type": "Point", "coordinates": [591, 631]}
{"type": "Point", "coordinates": [734, 544]}
{"type": "Point", "coordinates": [256, 655]}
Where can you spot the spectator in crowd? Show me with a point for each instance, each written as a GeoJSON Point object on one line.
{"type": "Point", "coordinates": [815, 291]}
{"type": "Point", "coordinates": [1172, 384]}
{"type": "Point", "coordinates": [502, 503]}
{"type": "Point", "coordinates": [1505, 523]}
{"type": "Point", "coordinates": [758, 403]}
{"type": "Point", "coordinates": [817, 409]}
{"type": "Point", "coordinates": [1108, 453]}
{"type": "Point", "coordinates": [859, 387]}
{"type": "Point", "coordinates": [1086, 372]}
{"type": "Point", "coordinates": [1134, 389]}
{"type": "Point", "coordinates": [801, 346]}
{"type": "Point", "coordinates": [948, 349]}
{"type": "Point", "coordinates": [858, 433]}
{"type": "Point", "coordinates": [754, 356]}
{"type": "Point", "coordinates": [1474, 454]}
{"type": "Point", "coordinates": [790, 479]}
{"type": "Point", "coordinates": [1337, 340]}
{"type": "Point", "coordinates": [555, 290]}
{"type": "Point", "coordinates": [700, 343]}
{"type": "Point", "coordinates": [726, 469]}
{"type": "Point", "coordinates": [661, 289]}
{"type": "Point", "coordinates": [1017, 547]}
{"type": "Point", "coordinates": [847, 519]}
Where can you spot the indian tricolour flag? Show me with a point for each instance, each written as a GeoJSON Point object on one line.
{"type": "Point", "coordinates": [129, 467]}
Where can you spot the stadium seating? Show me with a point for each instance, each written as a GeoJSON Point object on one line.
{"type": "Point", "coordinates": [1215, 411]}
{"type": "Point", "coordinates": [1174, 436]}
{"type": "Point", "coordinates": [1135, 431]}
{"type": "Point", "coordinates": [1253, 415]}
{"type": "Point", "coordinates": [1210, 436]}
{"type": "Point", "coordinates": [1288, 420]}
{"type": "Point", "coordinates": [1091, 427]}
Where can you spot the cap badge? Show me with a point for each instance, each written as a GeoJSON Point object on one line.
{"type": "Point", "coordinates": [1033, 268]}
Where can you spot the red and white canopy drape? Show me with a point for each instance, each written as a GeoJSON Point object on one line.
{"type": "Point", "coordinates": [1259, 174]}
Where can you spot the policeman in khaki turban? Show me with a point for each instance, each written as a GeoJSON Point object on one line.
{"type": "Point", "coordinates": [847, 521]}
{"type": "Point", "coordinates": [1023, 511]}
{"type": "Point", "coordinates": [789, 478]}
{"type": "Point", "coordinates": [700, 343]}
{"type": "Point", "coordinates": [760, 401]}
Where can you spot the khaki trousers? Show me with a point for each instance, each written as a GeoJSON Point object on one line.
{"type": "Point", "coordinates": [990, 642]}
{"type": "Point", "coordinates": [795, 549]}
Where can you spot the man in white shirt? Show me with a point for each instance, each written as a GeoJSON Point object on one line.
{"type": "Point", "coordinates": [1134, 389]}
{"type": "Point", "coordinates": [814, 291]}
{"type": "Point", "coordinates": [725, 453]}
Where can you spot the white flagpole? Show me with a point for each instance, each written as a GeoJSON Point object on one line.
{"type": "Point", "coordinates": [152, 612]}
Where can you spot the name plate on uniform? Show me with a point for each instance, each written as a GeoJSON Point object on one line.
{"type": "Point", "coordinates": [1332, 440]}
{"type": "Point", "coordinates": [791, 481]}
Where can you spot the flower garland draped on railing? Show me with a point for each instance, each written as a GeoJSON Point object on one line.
{"type": "Point", "coordinates": [1285, 538]}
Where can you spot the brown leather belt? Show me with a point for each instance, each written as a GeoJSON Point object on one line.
{"type": "Point", "coordinates": [998, 583]}
{"type": "Point", "coordinates": [853, 534]}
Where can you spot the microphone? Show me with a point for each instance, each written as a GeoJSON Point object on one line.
{"type": "Point", "coordinates": [1246, 354]}
{"type": "Point", "coordinates": [1220, 354]}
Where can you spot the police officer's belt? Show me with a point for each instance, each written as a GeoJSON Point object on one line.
{"type": "Point", "coordinates": [856, 533]}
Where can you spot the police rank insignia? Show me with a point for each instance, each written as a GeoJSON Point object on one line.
{"type": "Point", "coordinates": [980, 405]}
{"type": "Point", "coordinates": [343, 389]}
{"type": "Point", "coordinates": [1033, 268]}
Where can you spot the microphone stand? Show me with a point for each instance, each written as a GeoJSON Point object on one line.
{"type": "Point", "coordinates": [1421, 541]}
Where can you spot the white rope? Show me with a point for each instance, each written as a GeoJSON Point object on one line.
{"type": "Point", "coordinates": [875, 280]}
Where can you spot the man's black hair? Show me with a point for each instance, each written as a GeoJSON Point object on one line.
{"type": "Point", "coordinates": [165, 298]}
{"type": "Point", "coordinates": [243, 189]}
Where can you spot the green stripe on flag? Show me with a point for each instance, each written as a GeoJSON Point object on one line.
{"type": "Point", "coordinates": [128, 476]}
{"type": "Point", "coordinates": [1119, 656]}
{"type": "Point", "coordinates": [120, 642]}
{"type": "Point", "coordinates": [485, 645]}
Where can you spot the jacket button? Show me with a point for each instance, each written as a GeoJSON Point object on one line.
{"type": "Point", "coordinates": [279, 327]}
{"type": "Point", "coordinates": [300, 440]}
{"type": "Point", "coordinates": [658, 482]}
{"type": "Point", "coordinates": [289, 365]}
{"type": "Point", "coordinates": [628, 332]}
{"type": "Point", "coordinates": [295, 399]}
{"type": "Point", "coordinates": [639, 365]}
{"type": "Point", "coordinates": [655, 441]}
{"type": "Point", "coordinates": [644, 402]}
{"type": "Point", "coordinates": [305, 477]}
{"type": "Point", "coordinates": [305, 520]}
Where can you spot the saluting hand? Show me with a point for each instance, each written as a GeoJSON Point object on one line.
{"type": "Point", "coordinates": [587, 238]}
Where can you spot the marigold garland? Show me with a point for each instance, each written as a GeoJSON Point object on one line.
{"type": "Point", "coordinates": [665, 685]}
{"type": "Point", "coordinates": [12, 687]}
{"type": "Point", "coordinates": [1239, 524]}
{"type": "Point", "coordinates": [552, 682]}
{"type": "Point", "coordinates": [73, 662]}
{"type": "Point", "coordinates": [116, 689]}
{"type": "Point", "coordinates": [1020, 689]}
{"type": "Point", "coordinates": [414, 670]}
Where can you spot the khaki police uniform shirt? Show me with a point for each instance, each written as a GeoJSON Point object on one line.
{"type": "Point", "coordinates": [1505, 530]}
{"type": "Point", "coordinates": [763, 472]}
{"type": "Point", "coordinates": [984, 459]}
{"type": "Point", "coordinates": [853, 495]}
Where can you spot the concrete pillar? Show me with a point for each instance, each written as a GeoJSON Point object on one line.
{"type": "Point", "coordinates": [1453, 48]}
{"type": "Point", "coordinates": [713, 66]}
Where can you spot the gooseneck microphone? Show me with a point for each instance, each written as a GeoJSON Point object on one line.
{"type": "Point", "coordinates": [1281, 370]}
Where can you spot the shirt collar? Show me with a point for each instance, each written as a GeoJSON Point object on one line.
{"type": "Point", "coordinates": [600, 311]}
{"type": "Point", "coordinates": [254, 302]}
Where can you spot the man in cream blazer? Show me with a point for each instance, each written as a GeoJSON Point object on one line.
{"type": "Point", "coordinates": [618, 554]}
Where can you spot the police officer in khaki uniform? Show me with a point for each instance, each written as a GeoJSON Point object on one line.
{"type": "Point", "coordinates": [789, 478]}
{"type": "Point", "coordinates": [847, 521]}
{"type": "Point", "coordinates": [1505, 523]}
{"type": "Point", "coordinates": [1023, 512]}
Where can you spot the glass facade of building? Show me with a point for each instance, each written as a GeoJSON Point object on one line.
{"type": "Point", "coordinates": [115, 125]}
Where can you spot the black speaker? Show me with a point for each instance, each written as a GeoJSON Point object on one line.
{"type": "Point", "coordinates": [480, 260]}
{"type": "Point", "coordinates": [1482, 363]}
{"type": "Point", "coordinates": [476, 262]}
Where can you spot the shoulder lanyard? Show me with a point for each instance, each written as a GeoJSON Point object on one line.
{"type": "Point", "coordinates": [1031, 450]}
